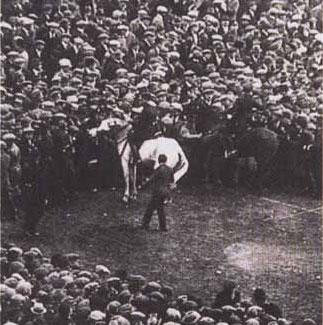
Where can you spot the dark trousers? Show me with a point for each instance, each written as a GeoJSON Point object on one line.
{"type": "Point", "coordinates": [33, 207]}
{"type": "Point", "coordinates": [7, 204]}
{"type": "Point", "coordinates": [156, 203]}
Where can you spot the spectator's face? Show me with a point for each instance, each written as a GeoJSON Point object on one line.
{"type": "Point", "coordinates": [133, 80]}
{"type": "Point", "coordinates": [88, 9]}
{"type": "Point", "coordinates": [195, 28]}
{"type": "Point", "coordinates": [20, 80]}
{"type": "Point", "coordinates": [230, 47]}
{"type": "Point", "coordinates": [66, 24]}
{"type": "Point", "coordinates": [29, 135]}
{"type": "Point", "coordinates": [9, 145]}
{"type": "Point", "coordinates": [253, 6]}
{"type": "Point", "coordinates": [221, 52]}
{"type": "Point", "coordinates": [47, 10]}
{"type": "Point", "coordinates": [28, 88]}
{"type": "Point", "coordinates": [301, 7]}
{"type": "Point", "coordinates": [66, 68]}
{"type": "Point", "coordinates": [219, 46]}
{"type": "Point", "coordinates": [262, 77]}
{"type": "Point", "coordinates": [161, 98]}
{"type": "Point", "coordinates": [62, 123]}
{"type": "Point", "coordinates": [151, 39]}
{"type": "Point", "coordinates": [207, 56]}
{"type": "Point", "coordinates": [234, 27]}
{"type": "Point", "coordinates": [40, 47]}
{"type": "Point", "coordinates": [228, 103]}
{"type": "Point", "coordinates": [38, 66]}
{"type": "Point", "coordinates": [208, 96]}
{"type": "Point", "coordinates": [189, 78]}
{"type": "Point", "coordinates": [184, 25]}
{"type": "Point", "coordinates": [237, 88]}
{"type": "Point", "coordinates": [272, 17]}
{"type": "Point", "coordinates": [244, 22]}
{"type": "Point", "coordinates": [146, 21]}
{"type": "Point", "coordinates": [123, 32]}
{"type": "Point", "coordinates": [66, 40]}
{"type": "Point", "coordinates": [225, 24]}
{"type": "Point", "coordinates": [123, 17]}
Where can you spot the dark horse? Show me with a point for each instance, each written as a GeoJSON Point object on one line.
{"type": "Point", "coordinates": [262, 145]}
{"type": "Point", "coordinates": [250, 154]}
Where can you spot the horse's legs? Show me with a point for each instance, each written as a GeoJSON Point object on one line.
{"type": "Point", "coordinates": [133, 178]}
{"type": "Point", "coordinates": [126, 175]}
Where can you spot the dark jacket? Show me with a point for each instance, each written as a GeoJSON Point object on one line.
{"type": "Point", "coordinates": [161, 179]}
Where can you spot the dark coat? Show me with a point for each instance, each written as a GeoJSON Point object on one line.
{"type": "Point", "coordinates": [161, 179]}
{"type": "Point", "coordinates": [110, 69]}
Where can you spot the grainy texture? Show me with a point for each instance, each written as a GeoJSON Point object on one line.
{"type": "Point", "coordinates": [271, 240]}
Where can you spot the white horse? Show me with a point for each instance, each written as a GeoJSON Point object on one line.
{"type": "Point", "coordinates": [149, 150]}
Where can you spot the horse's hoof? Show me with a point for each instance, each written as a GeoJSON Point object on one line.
{"type": "Point", "coordinates": [134, 197]}
{"type": "Point", "coordinates": [125, 199]}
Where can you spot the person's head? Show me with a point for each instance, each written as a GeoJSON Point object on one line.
{"type": "Point", "coordinates": [29, 133]}
{"type": "Point", "coordinates": [3, 146]}
{"type": "Point", "coordinates": [151, 37]}
{"type": "Point", "coordinates": [207, 54]}
{"type": "Point", "coordinates": [64, 310]}
{"type": "Point", "coordinates": [65, 65]}
{"type": "Point", "coordinates": [162, 159]}
{"type": "Point", "coordinates": [189, 75]}
{"type": "Point", "coordinates": [9, 138]}
{"type": "Point", "coordinates": [225, 23]}
{"type": "Point", "coordinates": [66, 38]}
{"type": "Point", "coordinates": [39, 44]}
{"type": "Point", "coordinates": [259, 296]}
{"type": "Point", "coordinates": [208, 94]}
{"type": "Point", "coordinates": [27, 87]}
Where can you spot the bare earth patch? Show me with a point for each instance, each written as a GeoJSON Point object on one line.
{"type": "Point", "coordinates": [272, 241]}
{"type": "Point", "coordinates": [260, 258]}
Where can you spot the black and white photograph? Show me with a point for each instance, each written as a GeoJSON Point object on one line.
{"type": "Point", "coordinates": [161, 162]}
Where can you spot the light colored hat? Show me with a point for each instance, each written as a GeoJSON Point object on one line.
{"type": "Point", "coordinates": [65, 63]}
{"type": "Point", "coordinates": [53, 24]}
{"type": "Point", "coordinates": [114, 43]}
{"type": "Point", "coordinates": [177, 106]}
{"type": "Point", "coordinates": [173, 314]}
{"type": "Point", "coordinates": [28, 129]}
{"type": "Point", "coordinates": [96, 315]}
{"type": "Point", "coordinates": [102, 269]}
{"type": "Point", "coordinates": [162, 9]}
{"type": "Point", "coordinates": [137, 110]}
{"type": "Point", "coordinates": [24, 288]}
{"type": "Point", "coordinates": [38, 309]}
{"type": "Point", "coordinates": [9, 136]}
{"type": "Point", "coordinates": [119, 320]}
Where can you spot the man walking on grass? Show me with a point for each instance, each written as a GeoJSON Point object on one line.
{"type": "Point", "coordinates": [163, 182]}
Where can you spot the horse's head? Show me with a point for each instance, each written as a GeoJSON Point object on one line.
{"type": "Point", "coordinates": [110, 125]}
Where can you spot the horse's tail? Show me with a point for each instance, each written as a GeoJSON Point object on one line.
{"type": "Point", "coordinates": [181, 167]}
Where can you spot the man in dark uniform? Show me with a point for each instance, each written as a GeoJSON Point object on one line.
{"type": "Point", "coordinates": [144, 127]}
{"type": "Point", "coordinates": [14, 170]}
{"type": "Point", "coordinates": [63, 155]}
{"type": "Point", "coordinates": [208, 117]}
{"type": "Point", "coordinates": [6, 188]}
{"type": "Point", "coordinates": [163, 180]}
{"type": "Point", "coordinates": [32, 198]}
{"type": "Point", "coordinates": [242, 109]}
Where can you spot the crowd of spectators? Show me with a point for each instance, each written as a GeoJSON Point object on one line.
{"type": "Point", "coordinates": [37, 290]}
{"type": "Point", "coordinates": [67, 65]}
